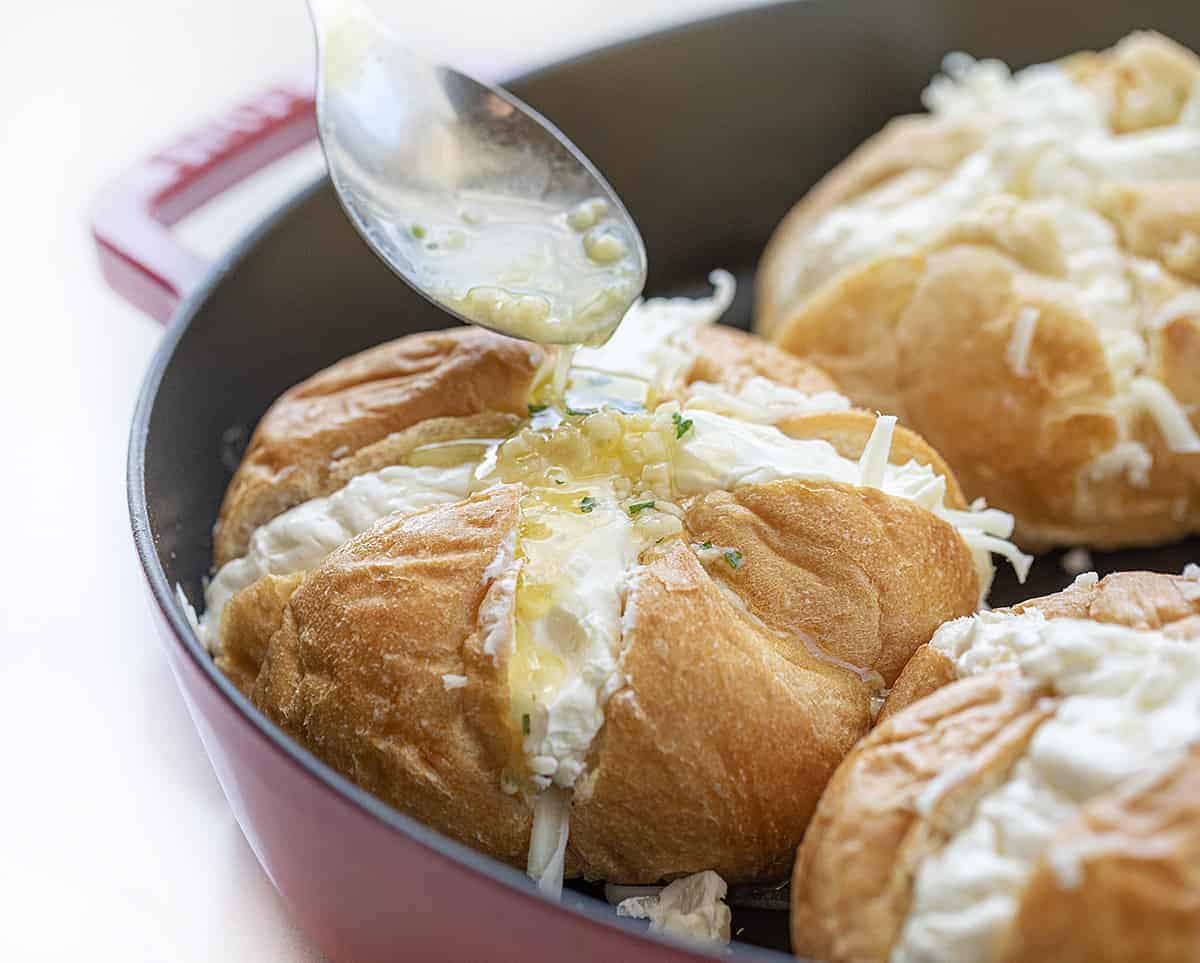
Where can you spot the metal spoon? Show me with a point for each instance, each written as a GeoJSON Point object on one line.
{"type": "Point", "coordinates": [466, 192]}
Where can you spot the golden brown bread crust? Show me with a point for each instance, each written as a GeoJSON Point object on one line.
{"type": "Point", "coordinates": [864, 576]}
{"type": "Point", "coordinates": [247, 624]}
{"type": "Point", "coordinates": [355, 671]}
{"type": "Point", "coordinates": [885, 808]}
{"type": "Point", "coordinates": [926, 672]}
{"type": "Point", "coordinates": [395, 382]}
{"type": "Point", "coordinates": [360, 401]}
{"type": "Point", "coordinates": [1139, 600]}
{"type": "Point", "coordinates": [714, 754]}
{"type": "Point", "coordinates": [255, 612]}
{"type": "Point", "coordinates": [1138, 895]}
{"type": "Point", "coordinates": [906, 145]}
{"type": "Point", "coordinates": [1146, 79]}
{"type": "Point", "coordinates": [852, 882]}
{"type": "Point", "coordinates": [1159, 221]}
{"type": "Point", "coordinates": [925, 335]}
{"type": "Point", "coordinates": [729, 358]}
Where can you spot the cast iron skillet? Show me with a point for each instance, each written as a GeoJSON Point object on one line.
{"type": "Point", "coordinates": [709, 132]}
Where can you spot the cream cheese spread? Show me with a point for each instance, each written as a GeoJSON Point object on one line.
{"type": "Point", "coordinates": [298, 539]}
{"type": "Point", "coordinates": [568, 622]}
{"type": "Point", "coordinates": [1128, 703]}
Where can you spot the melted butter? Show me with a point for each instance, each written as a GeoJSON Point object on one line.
{"type": "Point", "coordinates": [643, 363]}
{"type": "Point", "coordinates": [607, 446]}
{"type": "Point", "coordinates": [576, 544]}
{"type": "Point", "coordinates": [448, 454]}
{"type": "Point", "coordinates": [570, 390]}
{"type": "Point", "coordinates": [533, 672]}
{"type": "Point", "coordinates": [529, 268]}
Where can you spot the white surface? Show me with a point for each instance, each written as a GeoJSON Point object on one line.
{"type": "Point", "coordinates": [116, 840]}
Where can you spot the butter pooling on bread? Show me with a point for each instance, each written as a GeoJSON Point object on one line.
{"type": "Point", "coordinates": [1051, 778]}
{"type": "Point", "coordinates": [1042, 230]}
{"type": "Point", "coordinates": [498, 634]}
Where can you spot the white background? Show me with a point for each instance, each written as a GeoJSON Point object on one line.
{"type": "Point", "coordinates": [115, 841]}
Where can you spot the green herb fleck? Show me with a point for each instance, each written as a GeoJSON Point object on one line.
{"type": "Point", "coordinates": [537, 409]}
{"type": "Point", "coordinates": [580, 411]}
{"type": "Point", "coordinates": [586, 504]}
{"type": "Point", "coordinates": [559, 481]}
{"type": "Point", "coordinates": [706, 545]}
{"type": "Point", "coordinates": [734, 558]}
{"type": "Point", "coordinates": [525, 723]}
{"type": "Point", "coordinates": [639, 507]}
{"type": "Point", "coordinates": [682, 425]}
{"type": "Point", "coordinates": [418, 231]}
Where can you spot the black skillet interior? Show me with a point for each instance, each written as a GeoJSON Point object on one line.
{"type": "Point", "coordinates": [709, 133]}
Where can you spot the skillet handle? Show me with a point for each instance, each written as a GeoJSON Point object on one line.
{"type": "Point", "coordinates": [139, 256]}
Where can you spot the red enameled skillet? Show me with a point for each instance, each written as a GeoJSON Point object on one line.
{"type": "Point", "coordinates": [709, 132]}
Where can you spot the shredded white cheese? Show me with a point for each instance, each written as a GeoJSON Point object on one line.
{"type": "Point", "coordinates": [1017, 353]}
{"type": "Point", "coordinates": [1130, 459]}
{"type": "Point", "coordinates": [999, 546]}
{"type": "Point", "coordinates": [548, 839]}
{"type": "Point", "coordinates": [1085, 580]}
{"type": "Point", "coordinates": [1152, 396]}
{"type": "Point", "coordinates": [874, 459]}
{"type": "Point", "coordinates": [452, 681]}
{"type": "Point", "coordinates": [691, 908]}
{"type": "Point", "coordinates": [497, 611]}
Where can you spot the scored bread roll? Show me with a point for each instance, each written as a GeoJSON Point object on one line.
{"type": "Point", "coordinates": [1049, 783]}
{"type": "Point", "coordinates": [1016, 275]}
{"type": "Point", "coordinates": [629, 637]}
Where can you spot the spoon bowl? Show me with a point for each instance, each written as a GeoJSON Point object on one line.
{"type": "Point", "coordinates": [468, 194]}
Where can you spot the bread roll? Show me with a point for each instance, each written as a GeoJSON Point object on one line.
{"type": "Point", "coordinates": [659, 612]}
{"type": "Point", "coordinates": [1016, 275]}
{"type": "Point", "coordinates": [1054, 782]}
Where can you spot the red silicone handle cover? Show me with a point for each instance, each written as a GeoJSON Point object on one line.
{"type": "Point", "coordinates": [139, 256]}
